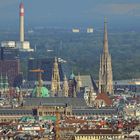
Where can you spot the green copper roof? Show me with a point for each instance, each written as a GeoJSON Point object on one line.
{"type": "Point", "coordinates": [72, 76]}
{"type": "Point", "coordinates": [44, 92]}
{"type": "Point", "coordinates": [27, 118]}
{"type": "Point", "coordinates": [52, 118]}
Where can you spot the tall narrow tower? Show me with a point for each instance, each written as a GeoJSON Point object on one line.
{"type": "Point", "coordinates": [21, 14]}
{"type": "Point", "coordinates": [55, 85]}
{"type": "Point", "coordinates": [65, 89]}
{"type": "Point", "coordinates": [105, 72]}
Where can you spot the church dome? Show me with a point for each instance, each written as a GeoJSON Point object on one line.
{"type": "Point", "coordinates": [44, 92]}
{"type": "Point", "coordinates": [72, 76]}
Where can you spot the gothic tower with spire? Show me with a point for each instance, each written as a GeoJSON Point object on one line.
{"type": "Point", "coordinates": [105, 71]}
{"type": "Point", "coordinates": [65, 90]}
{"type": "Point", "coordinates": [55, 85]}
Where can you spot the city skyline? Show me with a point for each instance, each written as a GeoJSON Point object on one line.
{"type": "Point", "coordinates": [76, 80]}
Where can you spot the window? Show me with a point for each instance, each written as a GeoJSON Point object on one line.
{"type": "Point", "coordinates": [40, 113]}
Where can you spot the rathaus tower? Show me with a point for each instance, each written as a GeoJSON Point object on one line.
{"type": "Point", "coordinates": [55, 85]}
{"type": "Point", "coordinates": [105, 72]}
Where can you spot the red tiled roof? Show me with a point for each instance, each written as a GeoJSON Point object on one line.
{"type": "Point", "coordinates": [70, 121]}
{"type": "Point", "coordinates": [104, 96]}
{"type": "Point", "coordinates": [98, 131]}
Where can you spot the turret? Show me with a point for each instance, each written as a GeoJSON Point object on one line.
{"type": "Point", "coordinates": [65, 90]}
{"type": "Point", "coordinates": [79, 83]}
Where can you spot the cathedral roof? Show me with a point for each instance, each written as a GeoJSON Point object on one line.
{"type": "Point", "coordinates": [86, 80]}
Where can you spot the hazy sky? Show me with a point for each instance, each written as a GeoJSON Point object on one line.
{"type": "Point", "coordinates": [71, 12]}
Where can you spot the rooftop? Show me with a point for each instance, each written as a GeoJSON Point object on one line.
{"type": "Point", "coordinates": [15, 112]}
{"type": "Point", "coordinates": [74, 102]}
{"type": "Point", "coordinates": [98, 131]}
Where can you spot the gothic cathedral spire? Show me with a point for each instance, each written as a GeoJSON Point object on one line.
{"type": "Point", "coordinates": [105, 50]}
{"type": "Point", "coordinates": [55, 85]}
{"type": "Point", "coordinates": [105, 71]}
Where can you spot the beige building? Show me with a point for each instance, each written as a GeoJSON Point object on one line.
{"type": "Point", "coordinates": [8, 115]}
{"type": "Point", "coordinates": [132, 110]}
{"type": "Point", "coordinates": [98, 134]}
{"type": "Point", "coordinates": [50, 110]}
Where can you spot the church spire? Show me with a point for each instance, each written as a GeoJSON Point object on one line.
{"type": "Point", "coordinates": [105, 71]}
{"type": "Point", "coordinates": [105, 37]}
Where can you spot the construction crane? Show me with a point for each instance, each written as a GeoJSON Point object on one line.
{"type": "Point", "coordinates": [57, 128]}
{"type": "Point", "coordinates": [39, 71]}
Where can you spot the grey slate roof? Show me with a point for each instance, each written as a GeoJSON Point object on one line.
{"type": "Point", "coordinates": [74, 102]}
{"type": "Point", "coordinates": [52, 104]}
{"type": "Point", "coordinates": [94, 111]}
{"type": "Point", "coordinates": [86, 80]}
{"type": "Point", "coordinates": [15, 112]}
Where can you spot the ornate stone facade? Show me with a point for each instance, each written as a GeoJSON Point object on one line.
{"type": "Point", "coordinates": [105, 72]}
{"type": "Point", "coordinates": [65, 90]}
{"type": "Point", "coordinates": [55, 85]}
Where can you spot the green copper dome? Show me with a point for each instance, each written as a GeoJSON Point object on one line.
{"type": "Point", "coordinates": [44, 92]}
{"type": "Point", "coordinates": [72, 76]}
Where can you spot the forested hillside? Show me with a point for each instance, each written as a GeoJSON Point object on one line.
{"type": "Point", "coordinates": [82, 51]}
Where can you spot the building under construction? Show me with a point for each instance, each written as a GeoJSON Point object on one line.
{"type": "Point", "coordinates": [44, 64]}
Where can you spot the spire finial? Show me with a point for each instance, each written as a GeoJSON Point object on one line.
{"type": "Point", "coordinates": [65, 78]}
{"type": "Point", "coordinates": [55, 59]}
{"type": "Point", "coordinates": [105, 36]}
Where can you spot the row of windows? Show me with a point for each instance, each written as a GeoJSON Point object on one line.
{"type": "Point", "coordinates": [103, 114]}
{"type": "Point", "coordinates": [52, 113]}
{"type": "Point", "coordinates": [7, 120]}
{"type": "Point", "coordinates": [95, 137]}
